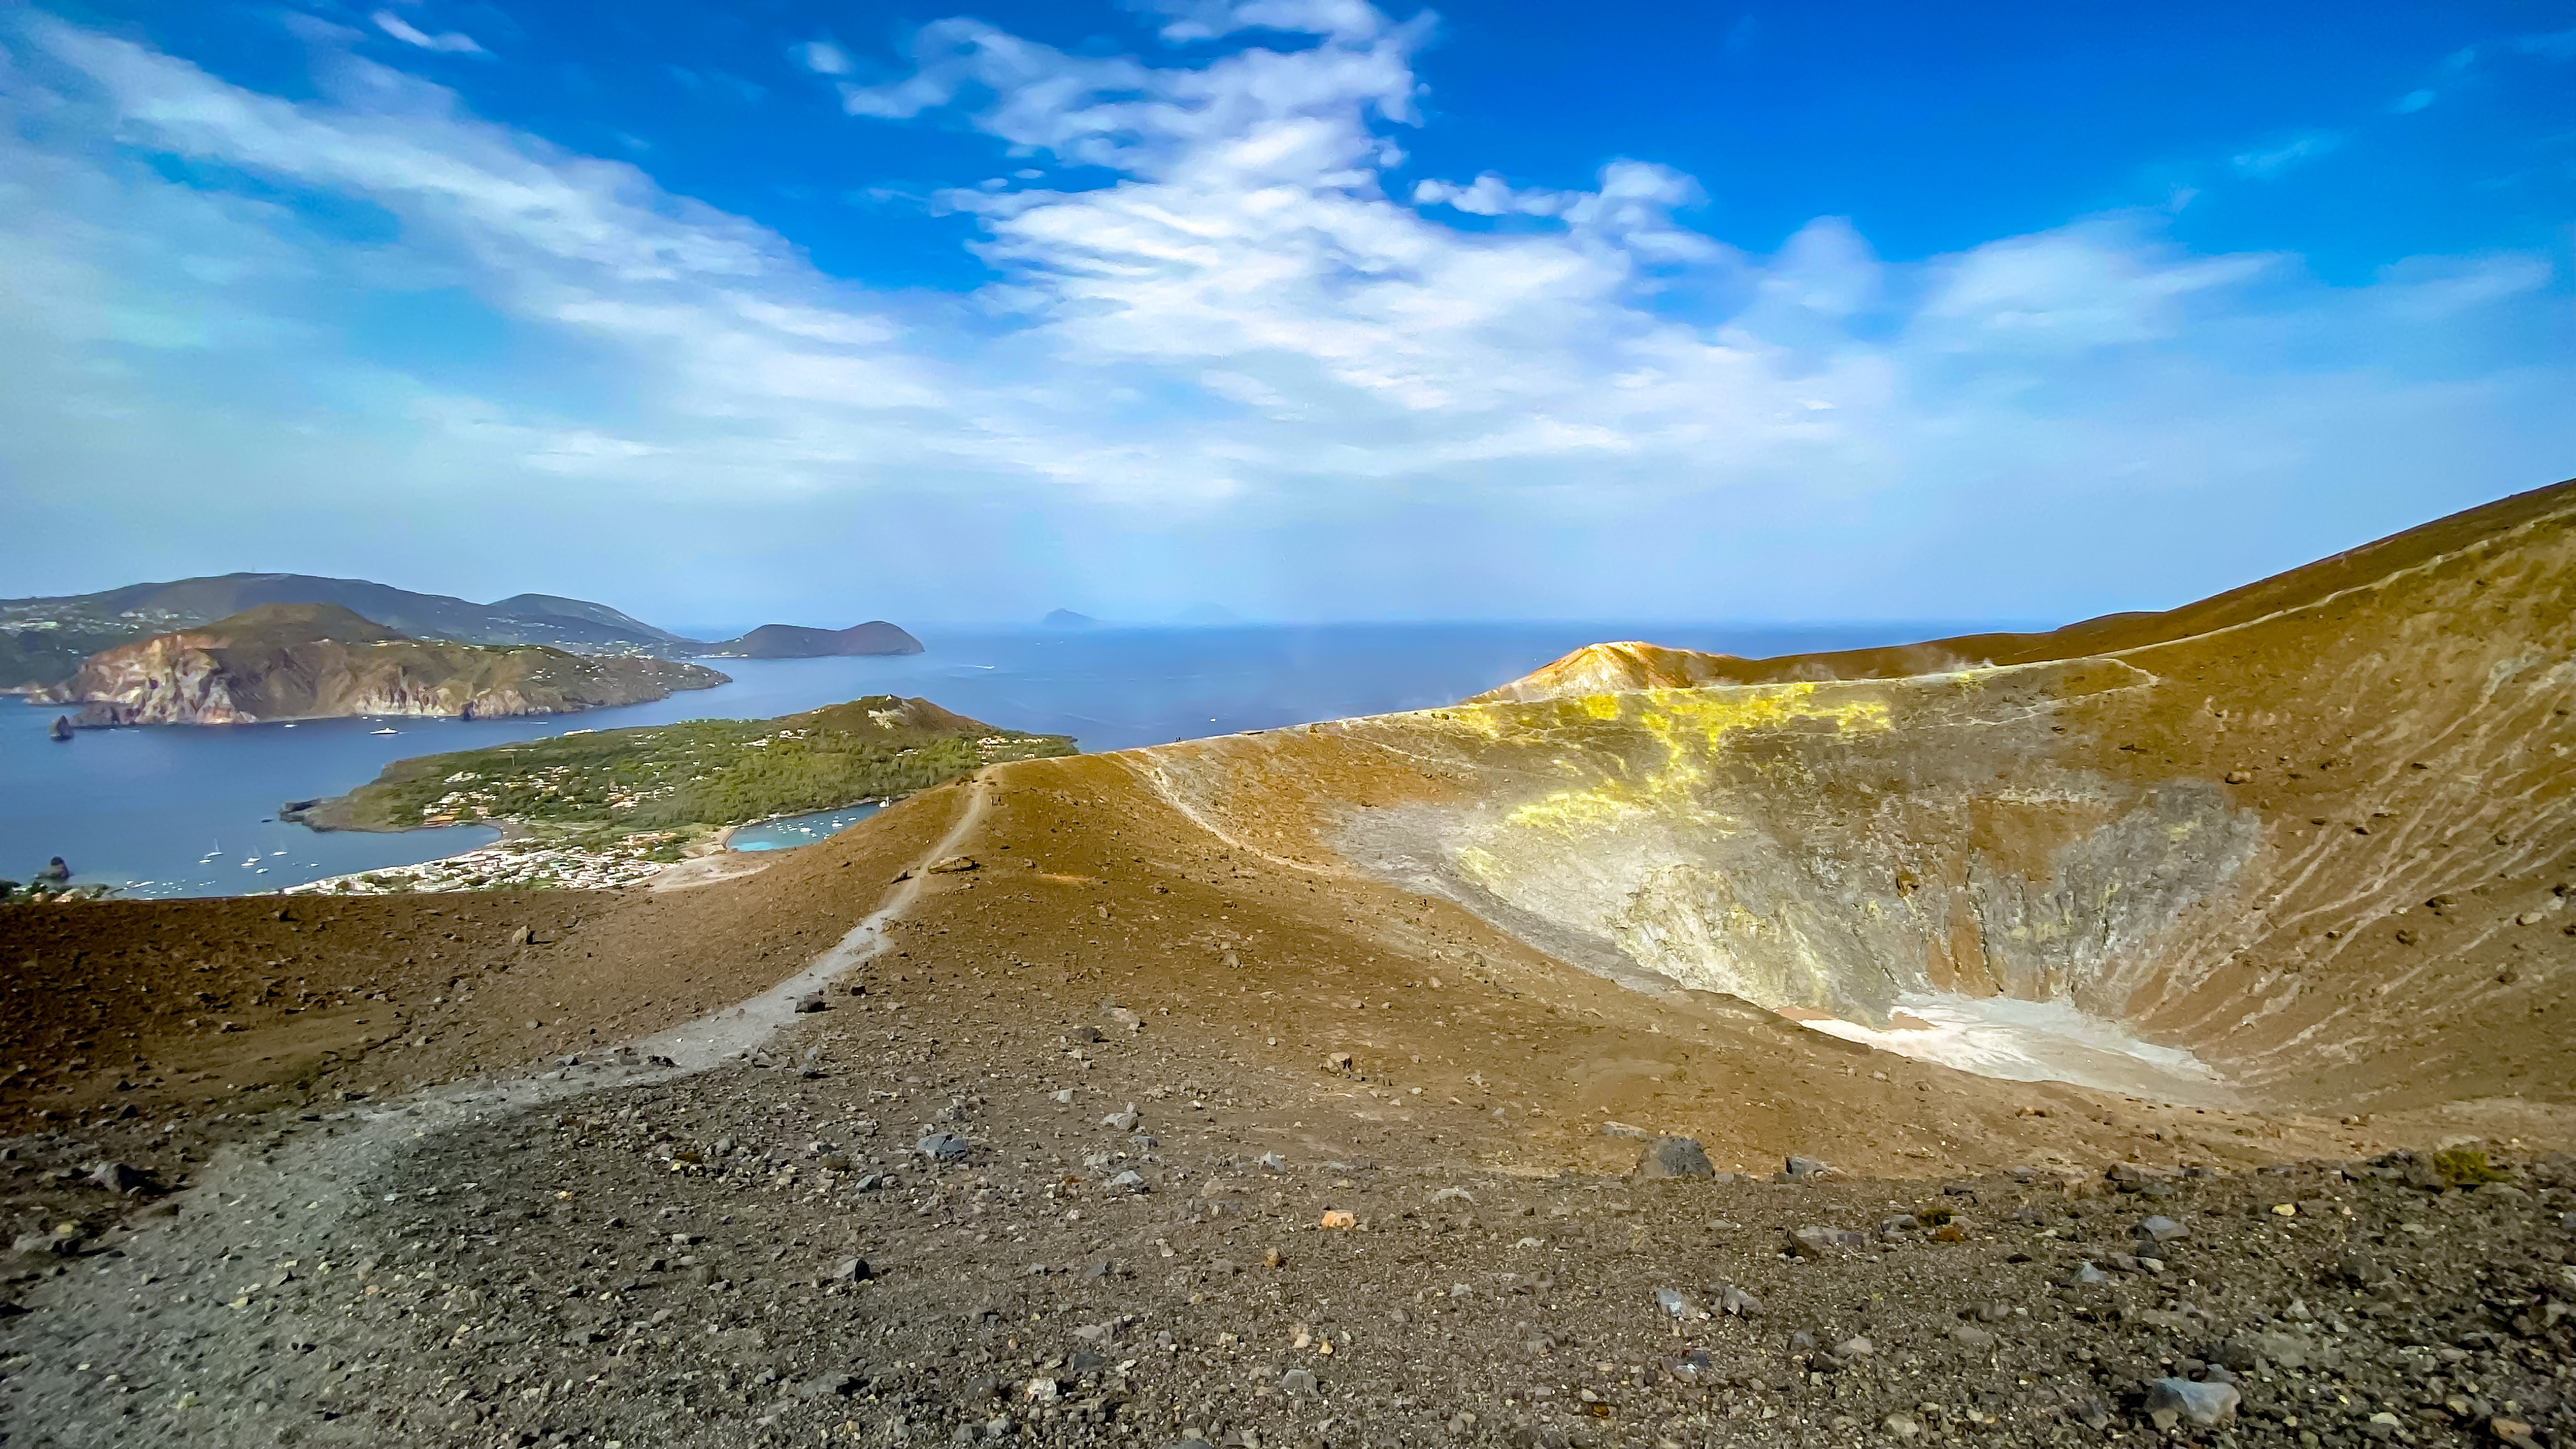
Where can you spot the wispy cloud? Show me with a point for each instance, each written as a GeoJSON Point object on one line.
{"type": "Point", "coordinates": [822, 57]}
{"type": "Point", "coordinates": [1240, 344]}
{"type": "Point", "coordinates": [2271, 160]}
{"type": "Point", "coordinates": [450, 42]}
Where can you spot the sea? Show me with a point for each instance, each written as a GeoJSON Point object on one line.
{"type": "Point", "coordinates": [177, 810]}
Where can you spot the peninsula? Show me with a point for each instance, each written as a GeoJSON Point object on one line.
{"type": "Point", "coordinates": [614, 806]}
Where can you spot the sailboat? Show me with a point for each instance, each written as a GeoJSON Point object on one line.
{"type": "Point", "coordinates": [386, 731]}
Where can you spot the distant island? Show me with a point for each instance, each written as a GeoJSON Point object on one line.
{"type": "Point", "coordinates": [44, 641]}
{"type": "Point", "coordinates": [794, 641]}
{"type": "Point", "coordinates": [612, 806]}
{"type": "Point", "coordinates": [319, 661]}
{"type": "Point", "coordinates": [1067, 619]}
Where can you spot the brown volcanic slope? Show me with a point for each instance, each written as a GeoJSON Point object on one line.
{"type": "Point", "coordinates": [2224, 835]}
{"type": "Point", "coordinates": [310, 661]}
{"type": "Point", "coordinates": [1631, 665]}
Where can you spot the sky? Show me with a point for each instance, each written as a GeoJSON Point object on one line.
{"type": "Point", "coordinates": [1301, 309]}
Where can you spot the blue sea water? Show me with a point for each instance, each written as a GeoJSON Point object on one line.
{"type": "Point", "coordinates": [789, 832]}
{"type": "Point", "coordinates": [185, 810]}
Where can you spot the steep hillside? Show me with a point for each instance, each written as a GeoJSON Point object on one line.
{"type": "Point", "coordinates": [556, 606]}
{"type": "Point", "coordinates": [307, 661]}
{"type": "Point", "coordinates": [1610, 668]}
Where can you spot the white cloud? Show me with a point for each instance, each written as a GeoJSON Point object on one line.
{"type": "Point", "coordinates": [823, 58]}
{"type": "Point", "coordinates": [451, 42]}
{"type": "Point", "coordinates": [2271, 160]}
{"type": "Point", "coordinates": [1240, 346]}
{"type": "Point", "coordinates": [2413, 101]}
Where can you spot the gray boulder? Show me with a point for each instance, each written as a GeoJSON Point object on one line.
{"type": "Point", "coordinates": [1675, 1157]}
{"type": "Point", "coordinates": [2171, 1401]}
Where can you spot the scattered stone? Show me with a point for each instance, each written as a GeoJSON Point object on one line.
{"type": "Point", "coordinates": [2088, 1275]}
{"type": "Point", "coordinates": [1299, 1382]}
{"type": "Point", "coordinates": [1900, 1426]}
{"type": "Point", "coordinates": [2138, 1177]}
{"type": "Point", "coordinates": [1814, 1242]}
{"type": "Point", "coordinates": [2172, 1400]}
{"type": "Point", "coordinates": [1733, 1300]}
{"type": "Point", "coordinates": [1065, 1096]}
{"type": "Point", "coordinates": [1803, 1169]}
{"type": "Point", "coordinates": [2160, 1229]}
{"type": "Point", "coordinates": [120, 1178]}
{"type": "Point", "coordinates": [1123, 1017]}
{"type": "Point", "coordinates": [943, 1147]}
{"type": "Point", "coordinates": [1130, 1181]}
{"type": "Point", "coordinates": [1675, 1157]}
{"type": "Point", "coordinates": [850, 1270]}
{"type": "Point", "coordinates": [829, 1386]}
{"type": "Point", "coordinates": [950, 865]}
{"type": "Point", "coordinates": [1337, 1218]}
{"type": "Point", "coordinates": [2513, 1432]}
{"type": "Point", "coordinates": [1676, 1306]}
{"type": "Point", "coordinates": [1123, 1121]}
{"type": "Point", "coordinates": [1273, 1162]}
{"type": "Point", "coordinates": [1969, 1336]}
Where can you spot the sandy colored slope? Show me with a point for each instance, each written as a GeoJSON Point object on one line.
{"type": "Point", "coordinates": [1625, 665]}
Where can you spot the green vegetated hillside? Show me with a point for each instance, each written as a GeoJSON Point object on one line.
{"type": "Point", "coordinates": [683, 777]}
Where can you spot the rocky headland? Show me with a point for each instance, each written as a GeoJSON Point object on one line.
{"type": "Point", "coordinates": [43, 641]}
{"type": "Point", "coordinates": [318, 661]}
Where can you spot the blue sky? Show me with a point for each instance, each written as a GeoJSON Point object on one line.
{"type": "Point", "coordinates": [1300, 307]}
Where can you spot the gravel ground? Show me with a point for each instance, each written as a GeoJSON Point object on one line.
{"type": "Point", "coordinates": [619, 1252]}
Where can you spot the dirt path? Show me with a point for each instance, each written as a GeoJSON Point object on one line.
{"type": "Point", "coordinates": [178, 1284]}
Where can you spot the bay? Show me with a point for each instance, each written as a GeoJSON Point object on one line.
{"type": "Point", "coordinates": [191, 811]}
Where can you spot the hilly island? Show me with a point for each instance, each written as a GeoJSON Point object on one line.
{"type": "Point", "coordinates": [44, 641]}
{"type": "Point", "coordinates": [314, 661]}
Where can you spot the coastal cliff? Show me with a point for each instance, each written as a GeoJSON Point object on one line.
{"type": "Point", "coordinates": [314, 661]}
